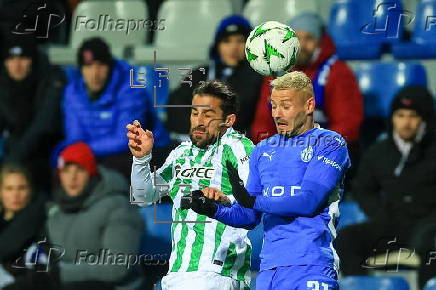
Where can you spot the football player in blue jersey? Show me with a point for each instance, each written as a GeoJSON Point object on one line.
{"type": "Point", "coordinates": [294, 186]}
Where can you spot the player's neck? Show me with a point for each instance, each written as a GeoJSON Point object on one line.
{"type": "Point", "coordinates": [309, 125]}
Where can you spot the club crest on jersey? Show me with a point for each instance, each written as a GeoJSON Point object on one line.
{"type": "Point", "coordinates": [194, 172]}
{"type": "Point", "coordinates": [307, 154]}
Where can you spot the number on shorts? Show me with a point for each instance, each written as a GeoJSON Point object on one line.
{"type": "Point", "coordinates": [314, 285]}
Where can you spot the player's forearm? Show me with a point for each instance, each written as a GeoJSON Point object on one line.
{"type": "Point", "coordinates": [142, 187]}
{"type": "Point", "coordinates": [304, 203]}
{"type": "Point", "coordinates": [238, 216]}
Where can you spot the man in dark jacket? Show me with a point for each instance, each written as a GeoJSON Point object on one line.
{"type": "Point", "coordinates": [30, 94]}
{"type": "Point", "coordinates": [395, 184]}
{"type": "Point", "coordinates": [93, 221]}
{"type": "Point", "coordinates": [339, 104]}
{"type": "Point", "coordinates": [228, 64]}
{"type": "Point", "coordinates": [99, 103]}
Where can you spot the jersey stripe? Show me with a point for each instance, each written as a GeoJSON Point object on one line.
{"type": "Point", "coordinates": [230, 260]}
{"type": "Point", "coordinates": [181, 243]}
{"type": "Point", "coordinates": [198, 244]}
{"type": "Point", "coordinates": [246, 266]}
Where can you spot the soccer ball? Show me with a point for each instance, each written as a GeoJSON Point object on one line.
{"type": "Point", "coordinates": [272, 48]}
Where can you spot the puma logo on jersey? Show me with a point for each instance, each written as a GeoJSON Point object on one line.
{"type": "Point", "coordinates": [194, 172]}
{"type": "Point", "coordinates": [268, 155]}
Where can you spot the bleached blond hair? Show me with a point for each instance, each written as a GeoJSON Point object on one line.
{"type": "Point", "coordinates": [295, 80]}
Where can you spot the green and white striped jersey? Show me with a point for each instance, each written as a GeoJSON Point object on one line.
{"type": "Point", "coordinates": [200, 246]}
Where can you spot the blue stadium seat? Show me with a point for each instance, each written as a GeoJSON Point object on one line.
{"type": "Point", "coordinates": [256, 238]}
{"type": "Point", "coordinates": [423, 43]}
{"type": "Point", "coordinates": [350, 214]}
{"type": "Point", "coordinates": [379, 82]}
{"type": "Point", "coordinates": [431, 284]}
{"type": "Point", "coordinates": [360, 28]}
{"type": "Point", "coordinates": [369, 282]}
{"type": "Point", "coordinates": [157, 236]}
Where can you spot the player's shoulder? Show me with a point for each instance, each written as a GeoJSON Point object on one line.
{"type": "Point", "coordinates": [234, 138]}
{"type": "Point", "coordinates": [328, 141]}
{"type": "Point", "coordinates": [180, 149]}
{"type": "Point", "coordinates": [327, 137]}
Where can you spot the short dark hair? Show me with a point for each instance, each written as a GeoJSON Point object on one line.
{"type": "Point", "coordinates": [222, 91]}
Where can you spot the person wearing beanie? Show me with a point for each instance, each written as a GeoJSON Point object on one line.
{"type": "Point", "coordinates": [395, 184]}
{"type": "Point", "coordinates": [30, 94]}
{"type": "Point", "coordinates": [227, 63]}
{"type": "Point", "coordinates": [91, 216]}
{"type": "Point", "coordinates": [98, 103]}
{"type": "Point", "coordinates": [338, 99]}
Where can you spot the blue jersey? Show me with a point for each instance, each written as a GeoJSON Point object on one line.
{"type": "Point", "coordinates": [298, 183]}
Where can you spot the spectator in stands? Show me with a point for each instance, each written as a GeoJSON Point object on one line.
{"type": "Point", "coordinates": [99, 103]}
{"type": "Point", "coordinates": [227, 63]}
{"type": "Point", "coordinates": [21, 225]}
{"type": "Point", "coordinates": [93, 221]}
{"type": "Point", "coordinates": [395, 184]}
{"type": "Point", "coordinates": [30, 94]}
{"type": "Point", "coordinates": [338, 99]}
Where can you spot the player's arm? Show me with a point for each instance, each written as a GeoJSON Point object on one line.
{"type": "Point", "coordinates": [233, 215]}
{"type": "Point", "coordinates": [146, 187]}
{"type": "Point", "coordinates": [238, 216]}
{"type": "Point", "coordinates": [323, 174]}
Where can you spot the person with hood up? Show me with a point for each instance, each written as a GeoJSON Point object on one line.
{"type": "Point", "coordinates": [395, 184]}
{"type": "Point", "coordinates": [30, 95]}
{"type": "Point", "coordinates": [93, 221]}
{"type": "Point", "coordinates": [228, 64]}
{"type": "Point", "coordinates": [339, 103]}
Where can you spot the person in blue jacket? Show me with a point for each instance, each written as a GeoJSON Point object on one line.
{"type": "Point", "coordinates": [294, 184]}
{"type": "Point", "coordinates": [98, 103]}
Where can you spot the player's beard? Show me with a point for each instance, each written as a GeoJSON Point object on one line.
{"type": "Point", "coordinates": [201, 141]}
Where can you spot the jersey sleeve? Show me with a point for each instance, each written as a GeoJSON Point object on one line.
{"type": "Point", "coordinates": [147, 187]}
{"type": "Point", "coordinates": [238, 216]}
{"type": "Point", "coordinates": [323, 176]}
{"type": "Point", "coordinates": [238, 152]}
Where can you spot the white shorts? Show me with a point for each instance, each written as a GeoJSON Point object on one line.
{"type": "Point", "coordinates": [200, 281]}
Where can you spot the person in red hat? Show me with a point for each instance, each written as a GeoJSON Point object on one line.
{"type": "Point", "coordinates": [91, 218]}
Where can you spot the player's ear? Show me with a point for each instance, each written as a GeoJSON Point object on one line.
{"type": "Point", "coordinates": [230, 120]}
{"type": "Point", "coordinates": [310, 105]}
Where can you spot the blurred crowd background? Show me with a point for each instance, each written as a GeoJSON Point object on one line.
{"type": "Point", "coordinates": [73, 74]}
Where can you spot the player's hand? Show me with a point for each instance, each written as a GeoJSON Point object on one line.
{"type": "Point", "coordinates": [201, 204]}
{"type": "Point", "coordinates": [238, 188]}
{"type": "Point", "coordinates": [140, 141]}
{"type": "Point", "coordinates": [217, 195]}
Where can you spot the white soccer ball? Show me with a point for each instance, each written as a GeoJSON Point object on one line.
{"type": "Point", "coordinates": [272, 48]}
